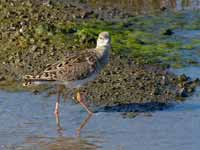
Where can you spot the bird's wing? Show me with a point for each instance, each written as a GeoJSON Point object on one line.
{"type": "Point", "coordinates": [75, 67]}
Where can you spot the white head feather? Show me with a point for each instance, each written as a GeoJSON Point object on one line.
{"type": "Point", "coordinates": [103, 40]}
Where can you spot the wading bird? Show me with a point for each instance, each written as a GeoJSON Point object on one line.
{"type": "Point", "coordinates": [75, 70]}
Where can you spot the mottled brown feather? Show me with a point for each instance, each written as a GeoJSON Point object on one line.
{"type": "Point", "coordinates": [74, 67]}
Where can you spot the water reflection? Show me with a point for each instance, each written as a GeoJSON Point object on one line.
{"type": "Point", "coordinates": [78, 130]}
{"type": "Point", "coordinates": [83, 124]}
{"type": "Point", "coordinates": [59, 143]}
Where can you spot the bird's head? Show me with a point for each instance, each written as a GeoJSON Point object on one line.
{"type": "Point", "coordinates": [103, 39]}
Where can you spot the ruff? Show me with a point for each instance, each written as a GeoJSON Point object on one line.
{"type": "Point", "coordinates": [75, 70]}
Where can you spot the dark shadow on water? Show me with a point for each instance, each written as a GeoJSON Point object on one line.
{"type": "Point", "coordinates": [136, 107]}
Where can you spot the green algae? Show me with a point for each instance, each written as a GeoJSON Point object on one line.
{"type": "Point", "coordinates": [145, 47]}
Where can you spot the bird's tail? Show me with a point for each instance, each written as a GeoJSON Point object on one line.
{"type": "Point", "coordinates": [30, 80]}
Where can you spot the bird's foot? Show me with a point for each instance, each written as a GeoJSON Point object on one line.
{"type": "Point", "coordinates": [89, 112]}
{"type": "Point", "coordinates": [80, 98]}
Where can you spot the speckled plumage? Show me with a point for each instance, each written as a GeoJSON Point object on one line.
{"type": "Point", "coordinates": [76, 69]}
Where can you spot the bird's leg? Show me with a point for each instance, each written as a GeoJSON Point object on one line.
{"type": "Point", "coordinates": [80, 100]}
{"type": "Point", "coordinates": [57, 108]}
{"type": "Point", "coordinates": [59, 128]}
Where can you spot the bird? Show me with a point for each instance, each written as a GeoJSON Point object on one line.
{"type": "Point", "coordinates": [75, 70]}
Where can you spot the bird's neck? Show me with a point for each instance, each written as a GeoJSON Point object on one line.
{"type": "Point", "coordinates": [102, 51]}
{"type": "Point", "coordinates": [103, 54]}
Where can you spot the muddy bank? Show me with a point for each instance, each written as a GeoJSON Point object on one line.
{"type": "Point", "coordinates": [36, 33]}
{"type": "Point", "coordinates": [124, 82]}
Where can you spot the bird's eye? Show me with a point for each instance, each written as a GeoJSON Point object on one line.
{"type": "Point", "coordinates": [100, 38]}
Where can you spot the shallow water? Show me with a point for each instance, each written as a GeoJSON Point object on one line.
{"type": "Point", "coordinates": [190, 55]}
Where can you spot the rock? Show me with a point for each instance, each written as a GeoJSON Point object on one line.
{"type": "Point", "coordinates": [168, 32]}
{"type": "Point", "coordinates": [197, 81]}
{"type": "Point", "coordinates": [130, 114]}
{"type": "Point", "coordinates": [155, 91]}
{"type": "Point", "coordinates": [33, 48]}
{"type": "Point", "coordinates": [182, 92]}
{"type": "Point", "coordinates": [163, 81]}
{"type": "Point", "coordinates": [190, 89]}
{"type": "Point", "coordinates": [163, 8]}
{"type": "Point", "coordinates": [34, 91]}
{"type": "Point", "coordinates": [2, 78]}
{"type": "Point", "coordinates": [48, 3]}
{"type": "Point", "coordinates": [182, 78]}
{"type": "Point", "coordinates": [86, 14]}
